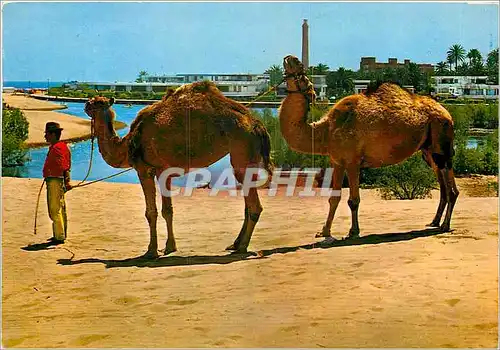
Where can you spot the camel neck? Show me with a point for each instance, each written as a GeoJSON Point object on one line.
{"type": "Point", "coordinates": [113, 148]}
{"type": "Point", "coordinates": [298, 133]}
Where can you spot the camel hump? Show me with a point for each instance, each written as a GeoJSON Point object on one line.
{"type": "Point", "coordinates": [202, 87]}
{"type": "Point", "coordinates": [385, 88]}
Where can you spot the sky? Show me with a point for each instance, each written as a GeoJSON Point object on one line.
{"type": "Point", "coordinates": [113, 41]}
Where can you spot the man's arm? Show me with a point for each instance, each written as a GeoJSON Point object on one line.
{"type": "Point", "coordinates": [67, 179]}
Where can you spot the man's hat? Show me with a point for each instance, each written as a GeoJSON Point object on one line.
{"type": "Point", "coordinates": [52, 126]}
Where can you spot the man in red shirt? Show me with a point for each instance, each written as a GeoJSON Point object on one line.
{"type": "Point", "coordinates": [56, 172]}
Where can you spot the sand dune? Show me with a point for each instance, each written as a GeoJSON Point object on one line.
{"type": "Point", "coordinates": [24, 102]}
{"type": "Point", "coordinates": [38, 113]}
{"type": "Point", "coordinates": [398, 286]}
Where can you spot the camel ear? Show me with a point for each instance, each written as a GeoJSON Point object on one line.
{"type": "Point", "coordinates": [111, 101]}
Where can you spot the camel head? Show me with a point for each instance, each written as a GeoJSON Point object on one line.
{"type": "Point", "coordinates": [296, 79]}
{"type": "Point", "coordinates": [99, 106]}
{"type": "Point", "coordinates": [293, 66]}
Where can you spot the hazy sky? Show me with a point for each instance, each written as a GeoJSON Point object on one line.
{"type": "Point", "coordinates": [114, 41]}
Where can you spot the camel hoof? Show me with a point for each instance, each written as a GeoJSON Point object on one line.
{"type": "Point", "coordinates": [167, 250]}
{"type": "Point", "coordinates": [445, 228]}
{"type": "Point", "coordinates": [240, 251]}
{"type": "Point", "coordinates": [151, 254]}
{"type": "Point", "coordinates": [433, 224]}
{"type": "Point", "coordinates": [232, 247]}
{"type": "Point", "coordinates": [353, 233]}
{"type": "Point", "coordinates": [323, 233]}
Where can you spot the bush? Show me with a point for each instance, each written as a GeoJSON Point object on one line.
{"type": "Point", "coordinates": [481, 160]}
{"type": "Point", "coordinates": [14, 133]}
{"type": "Point", "coordinates": [411, 179]}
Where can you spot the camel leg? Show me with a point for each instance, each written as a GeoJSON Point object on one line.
{"type": "Point", "coordinates": [337, 178]}
{"type": "Point", "coordinates": [242, 232]}
{"type": "Point", "coordinates": [253, 209]}
{"type": "Point", "coordinates": [451, 196]}
{"type": "Point", "coordinates": [149, 189]}
{"type": "Point", "coordinates": [167, 211]}
{"type": "Point", "coordinates": [354, 199]}
{"type": "Point", "coordinates": [442, 189]}
{"type": "Point", "coordinates": [442, 200]}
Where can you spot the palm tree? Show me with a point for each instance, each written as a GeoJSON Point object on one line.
{"type": "Point", "coordinates": [456, 53]}
{"type": "Point", "coordinates": [321, 69]}
{"type": "Point", "coordinates": [492, 66]}
{"type": "Point", "coordinates": [441, 68]}
{"type": "Point", "coordinates": [340, 83]}
{"type": "Point", "coordinates": [275, 74]}
{"type": "Point", "coordinates": [142, 75]}
{"type": "Point", "coordinates": [474, 56]}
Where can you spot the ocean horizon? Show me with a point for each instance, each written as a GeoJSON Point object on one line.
{"type": "Point", "coordinates": [31, 84]}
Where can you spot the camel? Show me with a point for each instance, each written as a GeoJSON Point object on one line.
{"type": "Point", "coordinates": [191, 127]}
{"type": "Point", "coordinates": [370, 130]}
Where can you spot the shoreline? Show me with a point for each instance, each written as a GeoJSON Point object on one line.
{"type": "Point", "coordinates": [35, 145]}
{"type": "Point", "coordinates": [39, 112]}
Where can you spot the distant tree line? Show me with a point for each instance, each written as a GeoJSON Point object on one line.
{"type": "Point", "coordinates": [458, 62]}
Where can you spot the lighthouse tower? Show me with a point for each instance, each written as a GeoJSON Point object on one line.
{"type": "Point", "coordinates": [305, 44]}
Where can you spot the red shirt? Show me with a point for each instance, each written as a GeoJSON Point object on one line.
{"type": "Point", "coordinates": [58, 160]}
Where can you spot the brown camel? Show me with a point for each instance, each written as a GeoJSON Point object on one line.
{"type": "Point", "coordinates": [192, 127]}
{"type": "Point", "coordinates": [369, 131]}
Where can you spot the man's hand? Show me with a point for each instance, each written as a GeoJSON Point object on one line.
{"type": "Point", "coordinates": [67, 185]}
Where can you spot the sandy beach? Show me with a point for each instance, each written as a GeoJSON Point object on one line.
{"type": "Point", "coordinates": [400, 285]}
{"type": "Point", "coordinates": [40, 112]}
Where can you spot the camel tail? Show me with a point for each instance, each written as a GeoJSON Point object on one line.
{"type": "Point", "coordinates": [265, 146]}
{"type": "Point", "coordinates": [439, 141]}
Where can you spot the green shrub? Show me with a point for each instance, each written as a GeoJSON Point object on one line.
{"type": "Point", "coordinates": [14, 133]}
{"type": "Point", "coordinates": [493, 185]}
{"type": "Point", "coordinates": [480, 160]}
{"type": "Point", "coordinates": [468, 161]}
{"type": "Point", "coordinates": [411, 179]}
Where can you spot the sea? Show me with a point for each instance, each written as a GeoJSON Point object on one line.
{"type": "Point", "coordinates": [32, 84]}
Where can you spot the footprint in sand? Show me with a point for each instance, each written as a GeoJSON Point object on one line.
{"type": "Point", "coordinates": [452, 302]}
{"type": "Point", "coordinates": [290, 329]}
{"type": "Point", "coordinates": [181, 302]}
{"type": "Point", "coordinates": [235, 337]}
{"type": "Point", "coordinates": [187, 274]}
{"type": "Point", "coordinates": [484, 326]}
{"type": "Point", "coordinates": [9, 343]}
{"type": "Point", "coordinates": [204, 330]}
{"type": "Point", "coordinates": [126, 300]}
{"type": "Point", "coordinates": [88, 339]}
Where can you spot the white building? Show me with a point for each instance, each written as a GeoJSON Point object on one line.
{"type": "Point", "coordinates": [361, 86]}
{"type": "Point", "coordinates": [231, 85]}
{"type": "Point", "coordinates": [239, 85]}
{"type": "Point", "coordinates": [471, 87]}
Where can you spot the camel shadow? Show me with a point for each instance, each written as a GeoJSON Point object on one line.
{"type": "Point", "coordinates": [171, 261]}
